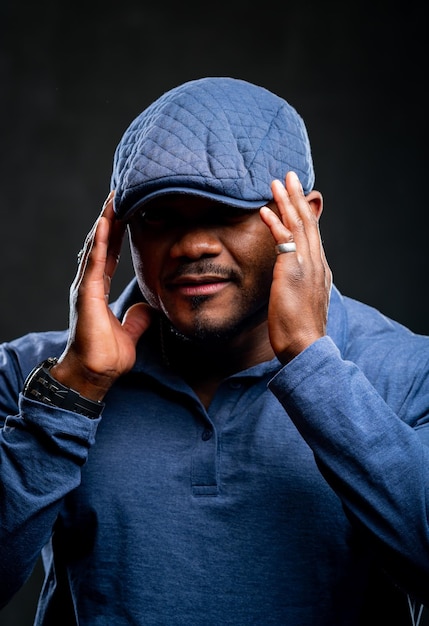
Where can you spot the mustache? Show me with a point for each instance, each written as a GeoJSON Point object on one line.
{"type": "Point", "coordinates": [200, 268]}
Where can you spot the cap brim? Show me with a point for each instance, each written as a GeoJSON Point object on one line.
{"type": "Point", "coordinates": [190, 191]}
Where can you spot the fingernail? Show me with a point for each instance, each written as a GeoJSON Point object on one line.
{"type": "Point", "coordinates": [297, 180]}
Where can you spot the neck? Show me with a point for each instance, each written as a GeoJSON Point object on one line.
{"type": "Point", "coordinates": [204, 365]}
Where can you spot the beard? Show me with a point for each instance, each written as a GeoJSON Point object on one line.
{"type": "Point", "coordinates": [209, 328]}
{"type": "Point", "coordinates": [208, 332]}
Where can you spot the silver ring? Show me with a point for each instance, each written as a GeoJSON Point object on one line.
{"type": "Point", "coordinates": [79, 256]}
{"type": "Point", "coordinates": [286, 247]}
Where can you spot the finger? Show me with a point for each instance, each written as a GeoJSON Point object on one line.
{"type": "Point", "coordinates": [297, 211]}
{"type": "Point", "coordinates": [298, 201]}
{"type": "Point", "coordinates": [137, 319]}
{"type": "Point", "coordinates": [85, 251]}
{"type": "Point", "coordinates": [104, 255]}
{"type": "Point", "coordinates": [82, 257]}
{"type": "Point", "coordinates": [116, 231]}
{"type": "Point", "coordinates": [310, 225]}
{"type": "Point", "coordinates": [93, 263]}
{"type": "Point", "coordinates": [91, 273]}
{"type": "Point", "coordinates": [279, 232]}
{"type": "Point", "coordinates": [116, 237]}
{"type": "Point", "coordinates": [87, 244]}
{"type": "Point", "coordinates": [327, 270]}
{"type": "Point", "coordinates": [292, 229]}
{"type": "Point", "coordinates": [287, 201]}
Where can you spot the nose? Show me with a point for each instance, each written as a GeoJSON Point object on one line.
{"type": "Point", "coordinates": [196, 242]}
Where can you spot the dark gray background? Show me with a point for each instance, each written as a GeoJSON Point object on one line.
{"type": "Point", "coordinates": [74, 74]}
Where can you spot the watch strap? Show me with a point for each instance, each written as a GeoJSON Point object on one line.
{"type": "Point", "coordinates": [41, 386]}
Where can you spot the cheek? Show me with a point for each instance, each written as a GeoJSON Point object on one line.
{"type": "Point", "coordinates": [264, 265]}
{"type": "Point", "coordinates": [255, 255]}
{"type": "Point", "coordinates": [145, 270]}
{"type": "Point", "coordinates": [257, 249]}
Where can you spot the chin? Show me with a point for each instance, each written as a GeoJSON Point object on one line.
{"type": "Point", "coordinates": [207, 324]}
{"type": "Point", "coordinates": [204, 332]}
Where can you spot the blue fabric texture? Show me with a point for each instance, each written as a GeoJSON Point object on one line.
{"type": "Point", "coordinates": [277, 505]}
{"type": "Point", "coordinates": [230, 153]}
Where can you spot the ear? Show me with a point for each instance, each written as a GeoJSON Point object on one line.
{"type": "Point", "coordinates": [315, 200]}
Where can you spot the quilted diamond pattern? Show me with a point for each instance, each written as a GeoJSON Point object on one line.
{"type": "Point", "coordinates": [220, 137]}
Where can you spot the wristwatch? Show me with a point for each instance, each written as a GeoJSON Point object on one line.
{"type": "Point", "coordinates": [40, 386]}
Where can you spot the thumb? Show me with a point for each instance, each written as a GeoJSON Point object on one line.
{"type": "Point", "coordinates": [137, 320]}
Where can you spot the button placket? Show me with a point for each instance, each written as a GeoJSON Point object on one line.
{"type": "Point", "coordinates": [206, 457]}
{"type": "Point", "coordinates": [205, 464]}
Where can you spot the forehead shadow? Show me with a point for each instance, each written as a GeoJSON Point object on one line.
{"type": "Point", "coordinates": [189, 202]}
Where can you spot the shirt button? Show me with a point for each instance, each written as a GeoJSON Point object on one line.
{"type": "Point", "coordinates": [207, 434]}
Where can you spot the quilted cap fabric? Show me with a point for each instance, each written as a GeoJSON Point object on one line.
{"type": "Point", "coordinates": [218, 137]}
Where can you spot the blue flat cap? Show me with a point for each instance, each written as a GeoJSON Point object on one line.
{"type": "Point", "coordinates": [217, 137]}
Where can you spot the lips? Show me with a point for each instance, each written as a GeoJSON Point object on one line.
{"type": "Point", "coordinates": [192, 286]}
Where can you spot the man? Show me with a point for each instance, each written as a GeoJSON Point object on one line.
{"type": "Point", "coordinates": [232, 441]}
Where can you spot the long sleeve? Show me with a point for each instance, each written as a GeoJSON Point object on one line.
{"type": "Point", "coordinates": [372, 449]}
{"type": "Point", "coordinates": [42, 450]}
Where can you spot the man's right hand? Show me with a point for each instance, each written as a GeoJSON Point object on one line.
{"type": "Point", "coordinates": [100, 348]}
